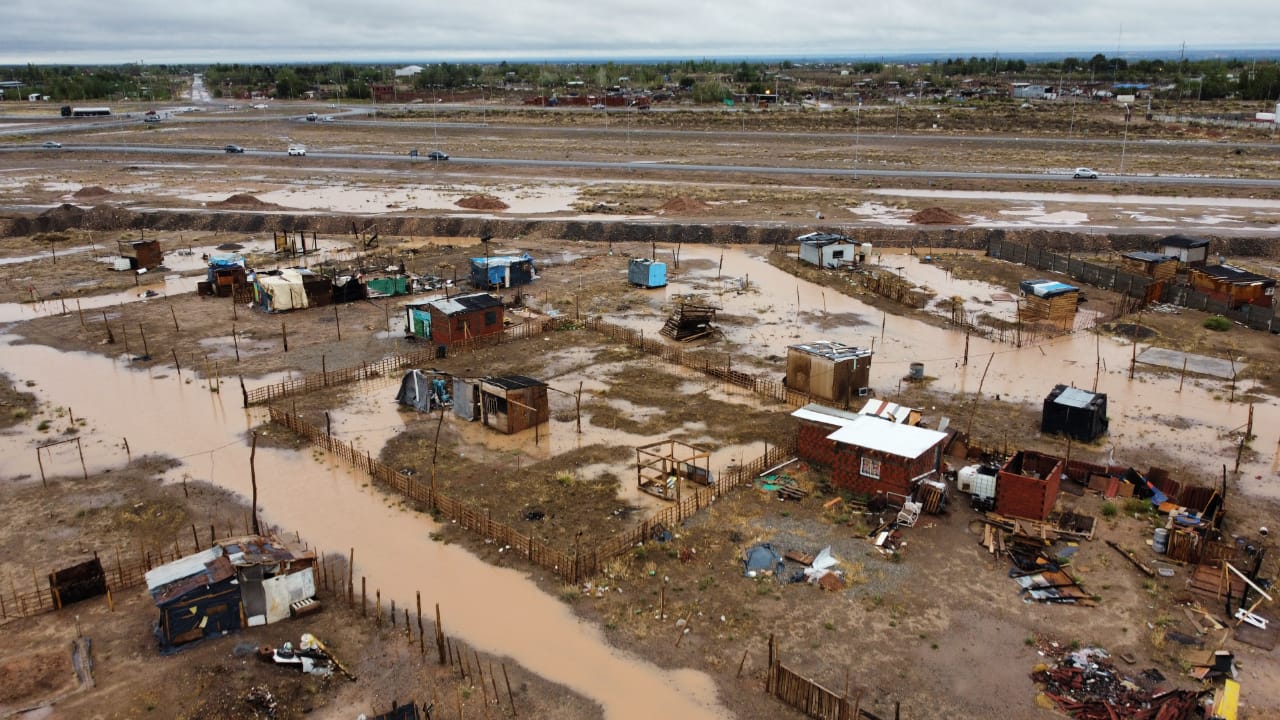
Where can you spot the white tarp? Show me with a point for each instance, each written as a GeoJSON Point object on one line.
{"type": "Point", "coordinates": [285, 289]}
{"type": "Point", "coordinates": [822, 565]}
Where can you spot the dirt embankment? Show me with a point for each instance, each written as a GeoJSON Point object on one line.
{"type": "Point", "coordinates": [109, 217]}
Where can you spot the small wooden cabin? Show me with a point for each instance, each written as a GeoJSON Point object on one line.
{"type": "Point", "coordinates": [513, 403]}
{"type": "Point", "coordinates": [1153, 265]}
{"type": "Point", "coordinates": [1233, 285]}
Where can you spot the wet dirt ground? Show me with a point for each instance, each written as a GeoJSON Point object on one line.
{"type": "Point", "coordinates": [893, 631]}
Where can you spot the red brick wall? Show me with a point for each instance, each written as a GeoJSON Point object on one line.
{"type": "Point", "coordinates": [812, 443]}
{"type": "Point", "coordinates": [845, 462]}
{"type": "Point", "coordinates": [1028, 497]}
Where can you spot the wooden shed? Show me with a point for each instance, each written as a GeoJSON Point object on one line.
{"type": "Point", "coordinates": [1188, 251]}
{"type": "Point", "coordinates": [463, 317]}
{"type": "Point", "coordinates": [1049, 301]}
{"type": "Point", "coordinates": [829, 371]}
{"type": "Point", "coordinates": [1233, 285]}
{"type": "Point", "coordinates": [141, 254]}
{"type": "Point", "coordinates": [513, 403]}
{"type": "Point", "coordinates": [1153, 265]}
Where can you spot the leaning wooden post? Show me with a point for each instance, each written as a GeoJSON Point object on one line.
{"type": "Point", "coordinates": [253, 480]}
{"type": "Point", "coordinates": [127, 453]}
{"type": "Point", "coordinates": [422, 644]}
{"type": "Point", "coordinates": [85, 470]}
{"type": "Point", "coordinates": [175, 318]}
{"type": "Point", "coordinates": [284, 335]}
{"type": "Point", "coordinates": [337, 323]}
{"type": "Point", "coordinates": [244, 394]}
{"type": "Point", "coordinates": [39, 461]}
{"type": "Point", "coordinates": [235, 341]}
{"type": "Point", "coordinates": [1183, 378]}
{"type": "Point", "coordinates": [176, 364]}
{"type": "Point", "coordinates": [146, 353]}
{"type": "Point", "coordinates": [351, 586]}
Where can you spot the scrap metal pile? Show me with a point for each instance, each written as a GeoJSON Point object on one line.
{"type": "Point", "coordinates": [1040, 555]}
{"type": "Point", "coordinates": [1085, 685]}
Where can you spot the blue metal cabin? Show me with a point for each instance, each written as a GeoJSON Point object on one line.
{"type": "Point", "coordinates": [501, 271]}
{"type": "Point", "coordinates": [647, 273]}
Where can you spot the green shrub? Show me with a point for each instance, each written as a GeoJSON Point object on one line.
{"type": "Point", "coordinates": [1109, 509]}
{"type": "Point", "coordinates": [1217, 323]}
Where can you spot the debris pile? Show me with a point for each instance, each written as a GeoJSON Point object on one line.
{"type": "Point", "coordinates": [243, 200]}
{"type": "Point", "coordinates": [481, 202]}
{"type": "Point", "coordinates": [91, 191]}
{"type": "Point", "coordinates": [937, 216]}
{"type": "Point", "coordinates": [1086, 685]}
{"type": "Point", "coordinates": [681, 204]}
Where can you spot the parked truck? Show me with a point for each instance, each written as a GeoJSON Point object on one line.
{"type": "Point", "coordinates": [980, 482]}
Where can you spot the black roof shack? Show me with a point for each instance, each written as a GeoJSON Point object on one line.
{"type": "Point", "coordinates": [1234, 275]}
{"type": "Point", "coordinates": [1184, 241]}
{"type": "Point", "coordinates": [514, 382]}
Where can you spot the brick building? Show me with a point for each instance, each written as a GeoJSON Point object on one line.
{"type": "Point", "coordinates": [867, 454]}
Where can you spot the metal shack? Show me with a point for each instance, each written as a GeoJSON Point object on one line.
{"type": "Point", "coordinates": [1233, 285]}
{"type": "Point", "coordinates": [829, 371]}
{"type": "Point", "coordinates": [1187, 250]}
{"type": "Point", "coordinates": [1078, 413]}
{"type": "Point", "coordinates": [243, 581]}
{"type": "Point", "coordinates": [225, 273]}
{"type": "Point", "coordinates": [513, 403]}
{"type": "Point", "coordinates": [463, 317]}
{"type": "Point", "coordinates": [647, 273]}
{"type": "Point", "coordinates": [502, 271]}
{"type": "Point", "coordinates": [830, 250]}
{"type": "Point", "coordinates": [866, 454]}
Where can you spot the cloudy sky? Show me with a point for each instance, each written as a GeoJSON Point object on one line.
{"type": "Point", "coordinates": [160, 31]}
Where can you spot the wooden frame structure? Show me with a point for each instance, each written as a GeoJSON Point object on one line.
{"type": "Point", "coordinates": [660, 467]}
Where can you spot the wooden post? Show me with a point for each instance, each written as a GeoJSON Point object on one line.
{"type": "Point", "coordinates": [235, 341]}
{"type": "Point", "coordinates": [328, 427]}
{"type": "Point", "coordinates": [146, 353]}
{"type": "Point", "coordinates": [1133, 359]}
{"type": "Point", "coordinates": [253, 480]}
{"type": "Point", "coordinates": [176, 364]}
{"type": "Point", "coordinates": [1183, 378]}
{"type": "Point", "coordinates": [510, 698]}
{"type": "Point", "coordinates": [324, 371]}
{"type": "Point", "coordinates": [127, 454]}
{"type": "Point", "coordinates": [422, 646]}
{"type": "Point", "coordinates": [377, 607]}
{"type": "Point", "coordinates": [364, 596]}
{"type": "Point", "coordinates": [337, 323]}
{"type": "Point", "coordinates": [80, 312]}
{"type": "Point", "coordinates": [175, 318]}
{"type": "Point", "coordinates": [742, 663]}
{"type": "Point", "coordinates": [111, 338]}
{"type": "Point", "coordinates": [577, 402]}
{"type": "Point", "coordinates": [439, 635]}
{"type": "Point", "coordinates": [40, 462]}
{"type": "Point", "coordinates": [244, 394]}
{"type": "Point", "coordinates": [284, 335]}
{"type": "Point", "coordinates": [978, 396]}
{"type": "Point", "coordinates": [85, 470]}
{"type": "Point", "coordinates": [351, 587]}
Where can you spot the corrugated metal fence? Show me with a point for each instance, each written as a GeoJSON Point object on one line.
{"type": "Point", "coordinates": [1129, 284]}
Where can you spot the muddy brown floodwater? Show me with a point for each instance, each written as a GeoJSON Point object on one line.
{"type": "Point", "coordinates": [496, 609]}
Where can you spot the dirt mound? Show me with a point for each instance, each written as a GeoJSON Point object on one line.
{"type": "Point", "coordinates": [91, 191]}
{"type": "Point", "coordinates": [482, 202]}
{"type": "Point", "coordinates": [681, 204]}
{"type": "Point", "coordinates": [242, 200]}
{"type": "Point", "coordinates": [937, 216]}
{"type": "Point", "coordinates": [66, 212]}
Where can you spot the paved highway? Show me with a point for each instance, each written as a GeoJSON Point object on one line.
{"type": "Point", "coordinates": [655, 166]}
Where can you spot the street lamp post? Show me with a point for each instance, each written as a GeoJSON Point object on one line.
{"type": "Point", "coordinates": [1128, 111]}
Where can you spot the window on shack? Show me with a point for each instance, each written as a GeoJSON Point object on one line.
{"type": "Point", "coordinates": [870, 467]}
{"type": "Point", "coordinates": [490, 317]}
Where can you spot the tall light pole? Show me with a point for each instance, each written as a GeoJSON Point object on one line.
{"type": "Point", "coordinates": [1128, 111]}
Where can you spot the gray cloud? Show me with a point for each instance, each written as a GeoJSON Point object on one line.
{"type": "Point", "coordinates": [156, 31]}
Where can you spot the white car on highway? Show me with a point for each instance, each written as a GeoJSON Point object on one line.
{"type": "Point", "coordinates": [298, 150]}
{"type": "Point", "coordinates": [1084, 173]}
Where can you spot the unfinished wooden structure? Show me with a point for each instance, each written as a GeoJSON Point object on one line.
{"type": "Point", "coordinates": [513, 403]}
{"type": "Point", "coordinates": [829, 371]}
{"type": "Point", "coordinates": [690, 321]}
{"type": "Point", "coordinates": [662, 465]}
{"type": "Point", "coordinates": [1049, 301]}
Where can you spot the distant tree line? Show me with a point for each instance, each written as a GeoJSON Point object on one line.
{"type": "Point", "coordinates": [706, 80]}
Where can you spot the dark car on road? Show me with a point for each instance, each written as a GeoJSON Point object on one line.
{"type": "Point", "coordinates": [233, 149]}
{"type": "Point", "coordinates": [437, 155]}
{"type": "Point", "coordinates": [51, 145]}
